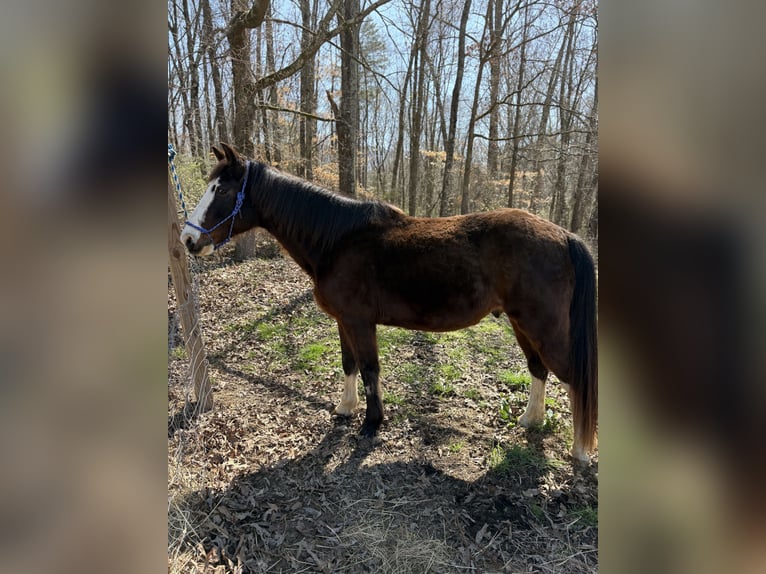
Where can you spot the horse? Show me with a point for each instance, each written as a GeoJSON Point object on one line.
{"type": "Point", "coordinates": [371, 264]}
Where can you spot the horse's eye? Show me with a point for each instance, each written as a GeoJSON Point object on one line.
{"type": "Point", "coordinates": [220, 190]}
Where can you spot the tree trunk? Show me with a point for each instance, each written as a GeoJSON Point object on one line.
{"type": "Point", "coordinates": [495, 45]}
{"type": "Point", "coordinates": [418, 104]}
{"type": "Point", "coordinates": [465, 205]}
{"type": "Point", "coordinates": [517, 113]}
{"type": "Point", "coordinates": [215, 74]}
{"type": "Point", "coordinates": [244, 94]}
{"type": "Point", "coordinates": [348, 122]}
{"type": "Point", "coordinates": [307, 126]}
{"type": "Point", "coordinates": [543, 127]}
{"type": "Point", "coordinates": [582, 196]}
{"type": "Point", "coordinates": [593, 220]}
{"type": "Point", "coordinates": [275, 136]}
{"type": "Point", "coordinates": [558, 200]}
{"type": "Point", "coordinates": [399, 152]}
{"type": "Point", "coordinates": [194, 117]}
{"type": "Point", "coordinates": [449, 144]}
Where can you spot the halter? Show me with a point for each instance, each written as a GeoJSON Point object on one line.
{"type": "Point", "coordinates": [235, 211]}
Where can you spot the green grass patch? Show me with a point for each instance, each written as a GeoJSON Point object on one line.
{"type": "Point", "coordinates": [400, 416]}
{"type": "Point", "coordinates": [514, 378]}
{"type": "Point", "coordinates": [515, 458]}
{"type": "Point", "coordinates": [178, 352]}
{"type": "Point", "coordinates": [457, 354]}
{"type": "Point", "coordinates": [473, 393]}
{"type": "Point", "coordinates": [245, 328]}
{"type": "Point", "coordinates": [456, 447]}
{"type": "Point", "coordinates": [411, 373]}
{"type": "Point", "coordinates": [588, 516]}
{"type": "Point", "coordinates": [262, 331]}
{"type": "Point", "coordinates": [505, 413]}
{"type": "Point", "coordinates": [552, 422]}
{"type": "Point", "coordinates": [310, 357]}
{"type": "Point", "coordinates": [537, 511]}
{"type": "Point", "coordinates": [442, 388]}
{"type": "Point", "coordinates": [450, 372]}
{"type": "Point", "coordinates": [393, 399]}
{"type": "Point", "coordinates": [390, 338]}
{"type": "Point", "coordinates": [268, 331]}
{"type": "Point", "coordinates": [423, 337]}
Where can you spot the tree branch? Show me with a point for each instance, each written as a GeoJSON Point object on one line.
{"type": "Point", "coordinates": [251, 18]}
{"type": "Point", "coordinates": [296, 112]}
{"type": "Point", "coordinates": [322, 36]}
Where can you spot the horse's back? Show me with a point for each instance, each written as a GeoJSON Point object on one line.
{"type": "Point", "coordinates": [439, 273]}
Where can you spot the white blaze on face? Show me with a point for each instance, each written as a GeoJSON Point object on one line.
{"type": "Point", "coordinates": [198, 216]}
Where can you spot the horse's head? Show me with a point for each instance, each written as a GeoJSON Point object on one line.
{"type": "Point", "coordinates": [224, 210]}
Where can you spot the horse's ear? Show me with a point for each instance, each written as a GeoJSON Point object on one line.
{"type": "Point", "coordinates": [219, 155]}
{"type": "Point", "coordinates": [231, 154]}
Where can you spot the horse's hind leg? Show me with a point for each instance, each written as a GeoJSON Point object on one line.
{"type": "Point", "coordinates": [362, 340]}
{"type": "Point", "coordinates": [535, 413]}
{"type": "Point", "coordinates": [350, 399]}
{"type": "Point", "coordinates": [578, 450]}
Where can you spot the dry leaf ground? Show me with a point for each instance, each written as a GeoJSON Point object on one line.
{"type": "Point", "coordinates": [271, 481]}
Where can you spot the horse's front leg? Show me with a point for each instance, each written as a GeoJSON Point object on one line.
{"type": "Point", "coordinates": [350, 399]}
{"type": "Point", "coordinates": [362, 339]}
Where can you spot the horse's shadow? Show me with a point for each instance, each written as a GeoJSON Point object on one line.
{"type": "Point", "coordinates": [327, 506]}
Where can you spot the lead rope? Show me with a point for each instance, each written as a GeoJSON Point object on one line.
{"type": "Point", "coordinates": [171, 157]}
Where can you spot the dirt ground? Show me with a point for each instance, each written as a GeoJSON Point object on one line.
{"type": "Point", "coordinates": [271, 481]}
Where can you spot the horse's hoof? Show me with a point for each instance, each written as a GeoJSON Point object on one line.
{"type": "Point", "coordinates": [529, 421]}
{"type": "Point", "coordinates": [343, 410]}
{"type": "Point", "coordinates": [580, 456]}
{"type": "Point", "coordinates": [368, 430]}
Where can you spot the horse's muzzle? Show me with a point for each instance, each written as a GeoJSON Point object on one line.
{"type": "Point", "coordinates": [199, 247]}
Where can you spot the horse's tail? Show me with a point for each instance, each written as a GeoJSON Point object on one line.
{"type": "Point", "coordinates": [584, 343]}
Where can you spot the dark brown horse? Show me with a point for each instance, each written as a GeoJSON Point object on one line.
{"type": "Point", "coordinates": [372, 264]}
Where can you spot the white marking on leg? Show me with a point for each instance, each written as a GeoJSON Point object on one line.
{"type": "Point", "coordinates": [350, 398]}
{"type": "Point", "coordinates": [535, 413]}
{"type": "Point", "coordinates": [578, 451]}
{"type": "Point", "coordinates": [198, 216]}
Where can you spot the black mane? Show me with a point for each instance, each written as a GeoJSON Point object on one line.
{"type": "Point", "coordinates": [314, 215]}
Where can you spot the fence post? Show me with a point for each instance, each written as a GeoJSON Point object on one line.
{"type": "Point", "coordinates": [179, 271]}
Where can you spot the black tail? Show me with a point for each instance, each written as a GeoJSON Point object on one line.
{"type": "Point", "coordinates": [584, 340]}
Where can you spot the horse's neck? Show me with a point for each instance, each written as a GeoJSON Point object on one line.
{"type": "Point", "coordinates": [291, 236]}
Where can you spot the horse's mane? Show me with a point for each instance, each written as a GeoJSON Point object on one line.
{"type": "Point", "coordinates": [314, 215]}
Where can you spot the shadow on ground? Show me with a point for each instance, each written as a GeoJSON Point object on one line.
{"type": "Point", "coordinates": [335, 510]}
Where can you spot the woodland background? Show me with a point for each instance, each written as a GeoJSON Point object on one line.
{"type": "Point", "coordinates": [440, 106]}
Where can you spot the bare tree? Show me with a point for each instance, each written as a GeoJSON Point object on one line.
{"type": "Point", "coordinates": [242, 77]}
{"type": "Point", "coordinates": [558, 199]}
{"type": "Point", "coordinates": [397, 172]}
{"type": "Point", "coordinates": [586, 185]}
{"type": "Point", "coordinates": [418, 104]}
{"type": "Point", "coordinates": [516, 133]}
{"type": "Point", "coordinates": [543, 127]}
{"type": "Point", "coordinates": [465, 188]}
{"type": "Point", "coordinates": [308, 100]}
{"type": "Point", "coordinates": [221, 131]}
{"type": "Point", "coordinates": [449, 144]}
{"type": "Point", "coordinates": [348, 118]}
{"type": "Point", "coordinates": [530, 97]}
{"type": "Point", "coordinates": [496, 26]}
